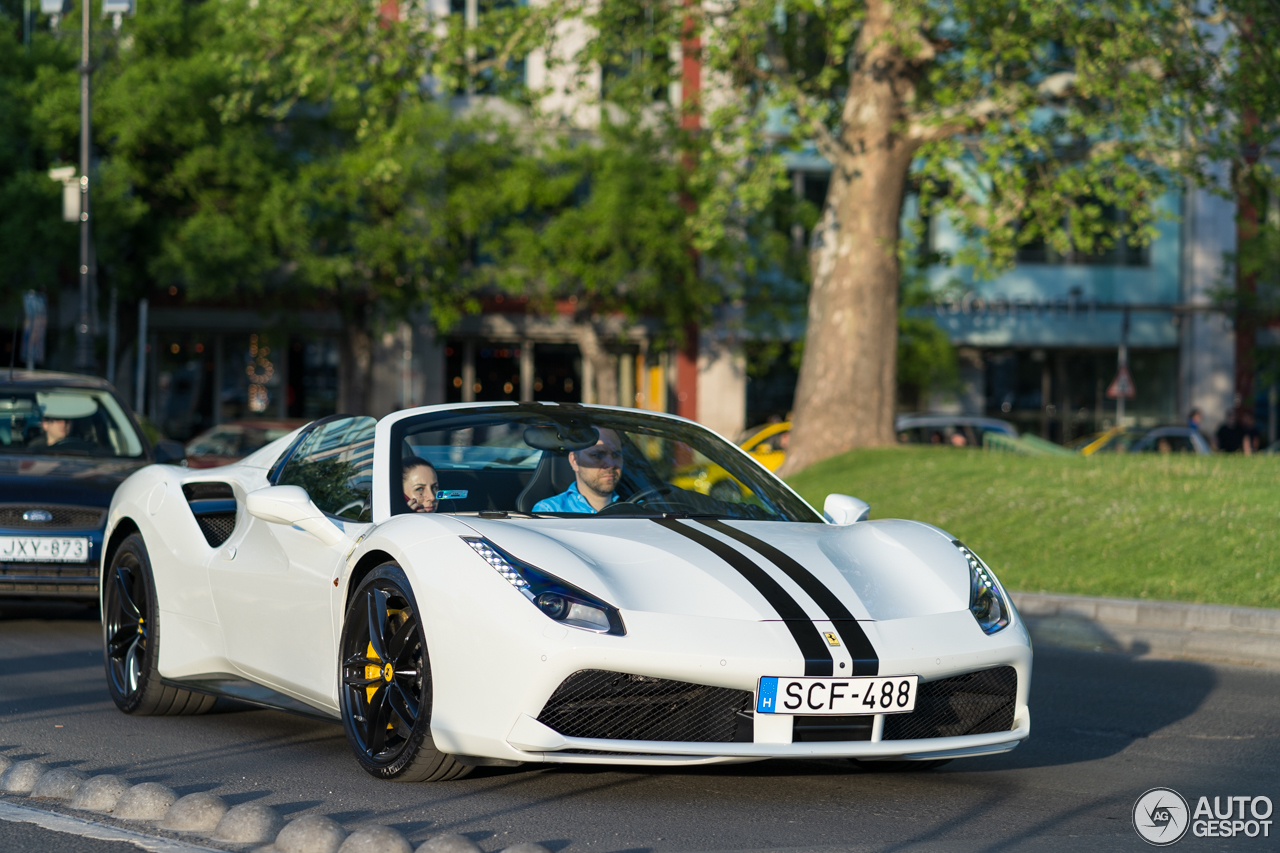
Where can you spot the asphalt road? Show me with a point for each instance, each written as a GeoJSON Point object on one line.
{"type": "Point", "coordinates": [1105, 728]}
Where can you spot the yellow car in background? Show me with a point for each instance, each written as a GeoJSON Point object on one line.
{"type": "Point", "coordinates": [768, 445]}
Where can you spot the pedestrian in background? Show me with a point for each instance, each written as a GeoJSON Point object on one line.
{"type": "Point", "coordinates": [1228, 437]}
{"type": "Point", "coordinates": [1250, 437]}
{"type": "Point", "coordinates": [1194, 419]}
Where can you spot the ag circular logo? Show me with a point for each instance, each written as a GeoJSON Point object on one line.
{"type": "Point", "coordinates": [1161, 817]}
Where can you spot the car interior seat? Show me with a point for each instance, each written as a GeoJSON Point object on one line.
{"type": "Point", "coordinates": [552, 476]}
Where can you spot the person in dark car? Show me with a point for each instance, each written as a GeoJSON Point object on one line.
{"type": "Point", "coordinates": [59, 418]}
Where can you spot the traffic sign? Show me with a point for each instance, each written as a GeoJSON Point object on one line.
{"type": "Point", "coordinates": [1122, 386]}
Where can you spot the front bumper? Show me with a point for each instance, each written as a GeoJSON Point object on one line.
{"type": "Point", "coordinates": [503, 717]}
{"type": "Point", "coordinates": [537, 743]}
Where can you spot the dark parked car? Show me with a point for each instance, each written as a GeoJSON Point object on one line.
{"type": "Point", "coordinates": [949, 430]}
{"type": "Point", "coordinates": [66, 442]}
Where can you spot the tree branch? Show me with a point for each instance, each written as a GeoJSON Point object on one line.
{"type": "Point", "coordinates": [933, 125]}
{"type": "Point", "coordinates": [779, 73]}
{"type": "Point", "coordinates": [502, 57]}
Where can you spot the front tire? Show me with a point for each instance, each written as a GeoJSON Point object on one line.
{"type": "Point", "coordinates": [386, 683]}
{"type": "Point", "coordinates": [131, 639]}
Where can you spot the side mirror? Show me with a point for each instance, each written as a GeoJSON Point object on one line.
{"type": "Point", "coordinates": [845, 509]}
{"type": "Point", "coordinates": [170, 452]}
{"type": "Point", "coordinates": [291, 505]}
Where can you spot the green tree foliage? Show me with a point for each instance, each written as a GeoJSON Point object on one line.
{"type": "Point", "coordinates": [34, 240]}
{"type": "Point", "coordinates": [1024, 120]}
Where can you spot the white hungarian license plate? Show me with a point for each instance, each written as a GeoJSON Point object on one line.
{"type": "Point", "coordinates": [44, 549]}
{"type": "Point", "coordinates": [854, 695]}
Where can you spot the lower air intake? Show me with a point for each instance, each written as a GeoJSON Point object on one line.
{"type": "Point", "coordinates": [972, 704]}
{"type": "Point", "coordinates": [597, 704]}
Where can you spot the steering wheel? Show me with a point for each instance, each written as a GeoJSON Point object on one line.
{"type": "Point", "coordinates": [644, 494]}
{"type": "Point", "coordinates": [639, 498]}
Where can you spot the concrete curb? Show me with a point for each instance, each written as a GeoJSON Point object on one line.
{"type": "Point", "coordinates": [1246, 636]}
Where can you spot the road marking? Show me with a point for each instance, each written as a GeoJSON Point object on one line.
{"type": "Point", "coordinates": [88, 829]}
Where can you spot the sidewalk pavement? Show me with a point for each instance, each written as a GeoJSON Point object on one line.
{"type": "Point", "coordinates": [1249, 636]}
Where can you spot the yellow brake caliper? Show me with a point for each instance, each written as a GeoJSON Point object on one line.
{"type": "Point", "coordinates": [373, 671]}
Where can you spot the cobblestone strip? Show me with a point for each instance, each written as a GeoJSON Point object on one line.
{"type": "Point", "coordinates": [201, 817]}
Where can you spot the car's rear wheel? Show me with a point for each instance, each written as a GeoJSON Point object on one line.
{"type": "Point", "coordinates": [386, 683]}
{"type": "Point", "coordinates": [131, 638]}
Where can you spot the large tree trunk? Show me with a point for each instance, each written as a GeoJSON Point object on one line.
{"type": "Point", "coordinates": [355, 365]}
{"type": "Point", "coordinates": [848, 376]}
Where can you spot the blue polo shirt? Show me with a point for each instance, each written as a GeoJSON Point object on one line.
{"type": "Point", "coordinates": [570, 500]}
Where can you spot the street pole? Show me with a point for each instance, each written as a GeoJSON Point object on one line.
{"type": "Point", "coordinates": [84, 342]}
{"type": "Point", "coordinates": [140, 364]}
{"type": "Point", "coordinates": [1122, 358]}
{"type": "Point", "coordinates": [113, 319]}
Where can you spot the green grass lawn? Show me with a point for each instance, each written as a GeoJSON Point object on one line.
{"type": "Point", "coordinates": [1186, 528]}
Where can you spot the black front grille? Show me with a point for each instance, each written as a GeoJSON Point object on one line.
{"type": "Point", "coordinates": [830, 729]}
{"type": "Point", "coordinates": [42, 580]}
{"type": "Point", "coordinates": [613, 705]}
{"type": "Point", "coordinates": [64, 517]}
{"type": "Point", "coordinates": [972, 704]}
{"type": "Point", "coordinates": [217, 528]}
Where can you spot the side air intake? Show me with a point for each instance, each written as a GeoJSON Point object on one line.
{"type": "Point", "coordinates": [214, 507]}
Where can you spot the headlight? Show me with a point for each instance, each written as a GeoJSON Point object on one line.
{"type": "Point", "coordinates": [987, 601]}
{"type": "Point", "coordinates": [561, 601]}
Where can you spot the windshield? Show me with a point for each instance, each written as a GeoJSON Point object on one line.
{"type": "Point", "coordinates": [65, 422]}
{"type": "Point", "coordinates": [575, 461]}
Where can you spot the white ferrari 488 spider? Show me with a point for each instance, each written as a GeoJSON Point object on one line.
{"type": "Point", "coordinates": [441, 582]}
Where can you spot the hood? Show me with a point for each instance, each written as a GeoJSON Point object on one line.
{"type": "Point", "coordinates": [72, 480]}
{"type": "Point", "coordinates": [879, 569]}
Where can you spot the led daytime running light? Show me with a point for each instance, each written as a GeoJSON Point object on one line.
{"type": "Point", "coordinates": [987, 601]}
{"type": "Point", "coordinates": [499, 563]}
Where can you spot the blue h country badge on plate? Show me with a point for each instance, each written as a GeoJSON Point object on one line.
{"type": "Point", "coordinates": [767, 696]}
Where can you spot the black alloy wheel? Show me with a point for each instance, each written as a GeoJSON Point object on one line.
{"type": "Point", "coordinates": [386, 683]}
{"type": "Point", "coordinates": [131, 638]}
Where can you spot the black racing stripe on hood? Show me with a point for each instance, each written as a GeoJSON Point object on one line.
{"type": "Point", "coordinates": [817, 659]}
{"type": "Point", "coordinates": [865, 659]}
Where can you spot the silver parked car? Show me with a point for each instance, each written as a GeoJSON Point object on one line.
{"type": "Point", "coordinates": [950, 430]}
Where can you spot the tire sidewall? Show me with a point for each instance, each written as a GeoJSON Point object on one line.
{"type": "Point", "coordinates": [133, 544]}
{"type": "Point", "coordinates": [420, 738]}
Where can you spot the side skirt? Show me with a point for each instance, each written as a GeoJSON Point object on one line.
{"type": "Point", "coordinates": [243, 690]}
